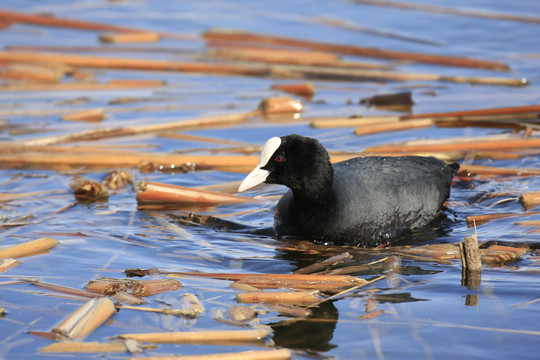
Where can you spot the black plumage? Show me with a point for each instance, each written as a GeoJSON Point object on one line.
{"type": "Point", "coordinates": [363, 201]}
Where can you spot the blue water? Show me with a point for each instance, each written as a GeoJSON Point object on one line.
{"type": "Point", "coordinates": [426, 310]}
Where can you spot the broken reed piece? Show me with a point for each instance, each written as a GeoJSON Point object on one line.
{"type": "Point", "coordinates": [153, 192]}
{"type": "Point", "coordinates": [279, 297]}
{"type": "Point", "coordinates": [530, 199]}
{"type": "Point", "coordinates": [128, 38]}
{"type": "Point", "coordinates": [228, 337]}
{"type": "Point", "coordinates": [501, 254]}
{"type": "Point", "coordinates": [139, 288]}
{"type": "Point", "coordinates": [393, 126]}
{"type": "Point", "coordinates": [403, 98]}
{"type": "Point", "coordinates": [93, 115]}
{"type": "Point", "coordinates": [6, 264]}
{"type": "Point", "coordinates": [191, 306]}
{"type": "Point", "coordinates": [280, 106]}
{"type": "Point", "coordinates": [321, 265]}
{"type": "Point", "coordinates": [274, 354]}
{"type": "Point", "coordinates": [471, 264]}
{"type": "Point", "coordinates": [29, 248]}
{"type": "Point", "coordinates": [470, 254]}
{"type": "Point", "coordinates": [306, 90]}
{"type": "Point", "coordinates": [117, 180]}
{"type": "Point", "coordinates": [241, 36]}
{"type": "Point", "coordinates": [90, 347]}
{"type": "Point", "coordinates": [86, 318]}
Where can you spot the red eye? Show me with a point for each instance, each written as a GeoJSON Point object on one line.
{"type": "Point", "coordinates": [279, 158]}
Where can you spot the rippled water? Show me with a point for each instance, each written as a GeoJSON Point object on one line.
{"type": "Point", "coordinates": [426, 310]}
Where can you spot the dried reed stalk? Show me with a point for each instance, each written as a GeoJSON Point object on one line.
{"type": "Point", "coordinates": [333, 122]}
{"type": "Point", "coordinates": [300, 283]}
{"type": "Point", "coordinates": [340, 74]}
{"type": "Point", "coordinates": [274, 354]}
{"type": "Point", "coordinates": [86, 319]}
{"type": "Point", "coordinates": [140, 288]}
{"type": "Point", "coordinates": [240, 36]}
{"type": "Point", "coordinates": [491, 170]}
{"type": "Point", "coordinates": [479, 144]}
{"type": "Point", "coordinates": [84, 86]}
{"type": "Point", "coordinates": [127, 38]}
{"type": "Point", "coordinates": [344, 280]}
{"type": "Point", "coordinates": [301, 89]}
{"type": "Point", "coordinates": [231, 337]}
{"type": "Point", "coordinates": [102, 133]}
{"type": "Point", "coordinates": [152, 192]}
{"type": "Point", "coordinates": [331, 261]}
{"type": "Point", "coordinates": [393, 126]}
{"type": "Point", "coordinates": [13, 16]}
{"type": "Point", "coordinates": [279, 297]}
{"type": "Point", "coordinates": [29, 248]}
{"type": "Point", "coordinates": [474, 220]}
{"type": "Point", "coordinates": [452, 11]}
{"type": "Point", "coordinates": [514, 110]}
{"type": "Point", "coordinates": [64, 289]}
{"type": "Point", "coordinates": [99, 62]}
{"type": "Point", "coordinates": [530, 199]}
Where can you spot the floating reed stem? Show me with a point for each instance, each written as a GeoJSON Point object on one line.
{"type": "Point", "coordinates": [240, 36]}
{"type": "Point", "coordinates": [274, 354]}
{"type": "Point", "coordinates": [124, 38]}
{"type": "Point", "coordinates": [85, 115]}
{"type": "Point", "coordinates": [480, 144]}
{"type": "Point", "coordinates": [393, 126]}
{"type": "Point", "coordinates": [153, 192]}
{"type": "Point", "coordinates": [279, 297]}
{"type": "Point", "coordinates": [29, 248]}
{"type": "Point", "coordinates": [13, 16]}
{"type": "Point", "coordinates": [230, 337]}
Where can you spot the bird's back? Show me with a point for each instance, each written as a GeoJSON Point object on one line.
{"type": "Point", "coordinates": [370, 198]}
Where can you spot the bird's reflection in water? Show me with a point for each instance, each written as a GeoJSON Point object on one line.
{"type": "Point", "coordinates": [313, 333]}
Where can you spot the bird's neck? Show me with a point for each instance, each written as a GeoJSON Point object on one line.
{"type": "Point", "coordinates": [315, 190]}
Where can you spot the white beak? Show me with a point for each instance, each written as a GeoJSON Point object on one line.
{"type": "Point", "coordinates": [258, 175]}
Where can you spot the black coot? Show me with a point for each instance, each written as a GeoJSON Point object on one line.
{"type": "Point", "coordinates": [362, 201]}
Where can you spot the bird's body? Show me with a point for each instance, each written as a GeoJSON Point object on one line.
{"type": "Point", "coordinates": [361, 201]}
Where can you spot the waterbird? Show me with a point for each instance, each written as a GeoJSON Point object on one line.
{"type": "Point", "coordinates": [363, 201]}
